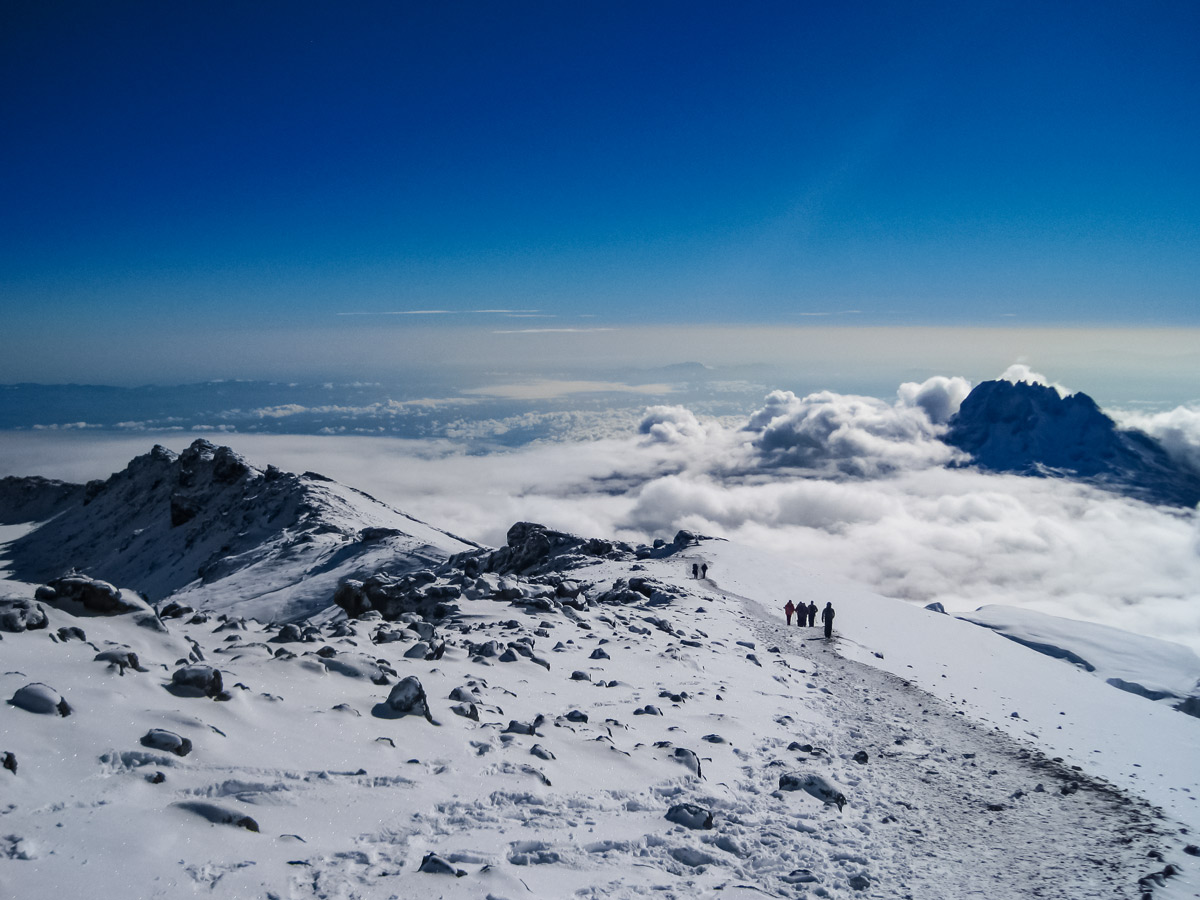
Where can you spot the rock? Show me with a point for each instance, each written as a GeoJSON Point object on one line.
{"type": "Point", "coordinates": [121, 658]}
{"type": "Point", "coordinates": [419, 650]}
{"type": "Point", "coordinates": [20, 614]}
{"type": "Point", "coordinates": [168, 741]}
{"type": "Point", "coordinates": [464, 695]}
{"type": "Point", "coordinates": [713, 739]}
{"type": "Point", "coordinates": [175, 610]}
{"type": "Point", "coordinates": [71, 633]}
{"type": "Point", "coordinates": [688, 758]}
{"type": "Point", "coordinates": [599, 653]}
{"type": "Point", "coordinates": [407, 698]}
{"type": "Point", "coordinates": [466, 710]}
{"type": "Point", "coordinates": [576, 715]}
{"type": "Point", "coordinates": [435, 865]}
{"type": "Point", "coordinates": [8, 760]}
{"type": "Point", "coordinates": [860, 757]}
{"type": "Point", "coordinates": [41, 699]}
{"type": "Point", "coordinates": [515, 727]}
{"type": "Point", "coordinates": [690, 815]}
{"type": "Point", "coordinates": [647, 710]}
{"type": "Point", "coordinates": [289, 634]}
{"type": "Point", "coordinates": [541, 752]}
{"type": "Point", "coordinates": [198, 681]}
{"type": "Point", "coordinates": [935, 607]}
{"type": "Point", "coordinates": [860, 882]}
{"type": "Point", "coordinates": [93, 595]}
{"type": "Point", "coordinates": [815, 785]}
{"type": "Point", "coordinates": [580, 676]}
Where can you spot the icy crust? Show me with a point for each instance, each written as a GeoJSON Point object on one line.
{"type": "Point", "coordinates": [1155, 669]}
{"type": "Point", "coordinates": [657, 736]}
{"type": "Point", "coordinates": [209, 528]}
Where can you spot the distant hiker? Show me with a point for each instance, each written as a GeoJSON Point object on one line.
{"type": "Point", "coordinates": [789, 610]}
{"type": "Point", "coordinates": [812, 614]}
{"type": "Point", "coordinates": [695, 570]}
{"type": "Point", "coordinates": [704, 570]}
{"type": "Point", "coordinates": [827, 618]}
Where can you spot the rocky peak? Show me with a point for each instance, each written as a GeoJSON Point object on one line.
{"type": "Point", "coordinates": [1030, 429]}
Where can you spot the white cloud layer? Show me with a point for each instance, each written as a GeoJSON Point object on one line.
{"type": "Point", "coordinates": [884, 510]}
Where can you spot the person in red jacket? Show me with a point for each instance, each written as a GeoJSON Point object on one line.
{"type": "Point", "coordinates": [789, 610]}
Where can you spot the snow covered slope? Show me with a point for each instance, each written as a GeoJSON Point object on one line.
{"type": "Point", "coordinates": [1157, 670]}
{"type": "Point", "coordinates": [207, 528]}
{"type": "Point", "coordinates": [583, 711]}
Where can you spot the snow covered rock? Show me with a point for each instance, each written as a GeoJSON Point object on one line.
{"type": "Point", "coordinates": [407, 698]}
{"type": "Point", "coordinates": [92, 594]}
{"type": "Point", "coordinates": [20, 614]}
{"type": "Point", "coordinates": [198, 681]}
{"type": "Point", "coordinates": [815, 785]}
{"type": "Point", "coordinates": [690, 815]}
{"type": "Point", "coordinates": [41, 699]}
{"type": "Point", "coordinates": [120, 658]}
{"type": "Point", "coordinates": [435, 865]}
{"type": "Point", "coordinates": [167, 741]}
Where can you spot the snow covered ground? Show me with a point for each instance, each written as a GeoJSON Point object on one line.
{"type": "Point", "coordinates": [592, 724]}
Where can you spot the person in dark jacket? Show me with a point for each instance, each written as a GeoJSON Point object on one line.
{"type": "Point", "coordinates": [789, 610]}
{"type": "Point", "coordinates": [812, 613]}
{"type": "Point", "coordinates": [827, 618]}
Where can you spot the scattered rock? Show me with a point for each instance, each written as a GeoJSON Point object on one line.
{"type": "Point", "coordinates": [688, 758]}
{"type": "Point", "coordinates": [168, 741]}
{"type": "Point", "coordinates": [198, 681]}
{"type": "Point", "coordinates": [435, 865]}
{"type": "Point", "coordinates": [690, 815]}
{"type": "Point", "coordinates": [41, 699]}
{"type": "Point", "coordinates": [815, 785]}
{"type": "Point", "coordinates": [861, 757]}
{"type": "Point", "coordinates": [9, 761]}
{"type": "Point", "coordinates": [121, 658]}
{"type": "Point", "coordinates": [407, 698]}
{"type": "Point", "coordinates": [20, 614]}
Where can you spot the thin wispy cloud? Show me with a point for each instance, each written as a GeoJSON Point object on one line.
{"type": "Point", "coordinates": [552, 330]}
{"type": "Point", "coordinates": [444, 312]}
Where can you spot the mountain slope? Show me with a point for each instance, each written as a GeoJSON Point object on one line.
{"type": "Point", "coordinates": [208, 528]}
{"type": "Point", "coordinates": [569, 750]}
{"type": "Point", "coordinates": [1029, 429]}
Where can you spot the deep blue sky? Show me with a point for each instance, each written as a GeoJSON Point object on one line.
{"type": "Point", "coordinates": [194, 170]}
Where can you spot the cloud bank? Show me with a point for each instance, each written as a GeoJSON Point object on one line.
{"type": "Point", "coordinates": [853, 487]}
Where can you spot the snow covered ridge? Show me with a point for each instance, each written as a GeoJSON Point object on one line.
{"type": "Point", "coordinates": [207, 527]}
{"type": "Point", "coordinates": [1030, 429]}
{"type": "Point", "coordinates": [583, 719]}
{"type": "Point", "coordinates": [1158, 670]}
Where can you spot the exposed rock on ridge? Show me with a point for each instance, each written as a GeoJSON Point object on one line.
{"type": "Point", "coordinates": [1029, 429]}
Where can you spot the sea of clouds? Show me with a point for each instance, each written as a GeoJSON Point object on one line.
{"type": "Point", "coordinates": [852, 486]}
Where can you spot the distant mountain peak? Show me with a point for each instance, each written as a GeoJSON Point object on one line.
{"type": "Point", "coordinates": [1031, 429]}
{"type": "Point", "coordinates": [205, 522]}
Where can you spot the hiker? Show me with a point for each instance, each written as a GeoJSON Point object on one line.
{"type": "Point", "coordinates": [695, 570]}
{"type": "Point", "coordinates": [704, 570]}
{"type": "Point", "coordinates": [788, 610]}
{"type": "Point", "coordinates": [827, 618]}
{"type": "Point", "coordinates": [812, 614]}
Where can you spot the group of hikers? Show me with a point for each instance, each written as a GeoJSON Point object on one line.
{"type": "Point", "coordinates": [809, 613]}
{"type": "Point", "coordinates": [802, 613]}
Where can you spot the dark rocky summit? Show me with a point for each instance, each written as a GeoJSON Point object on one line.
{"type": "Point", "coordinates": [1029, 429]}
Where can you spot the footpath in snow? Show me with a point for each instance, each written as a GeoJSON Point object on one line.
{"type": "Point", "coordinates": [556, 749]}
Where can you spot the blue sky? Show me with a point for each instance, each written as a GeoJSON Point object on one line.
{"type": "Point", "coordinates": [216, 177]}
